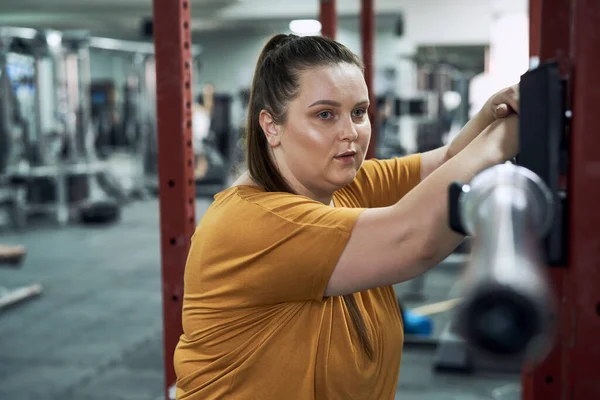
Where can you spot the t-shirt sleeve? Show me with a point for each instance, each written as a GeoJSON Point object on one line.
{"type": "Point", "coordinates": [267, 249]}
{"type": "Point", "coordinates": [381, 183]}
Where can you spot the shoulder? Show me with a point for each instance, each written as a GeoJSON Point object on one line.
{"type": "Point", "coordinates": [245, 220]}
{"type": "Point", "coordinates": [407, 164]}
{"type": "Point", "coordinates": [406, 168]}
{"type": "Point", "coordinates": [249, 215]}
{"type": "Point", "coordinates": [255, 206]}
{"type": "Point", "coordinates": [249, 197]}
{"type": "Point", "coordinates": [383, 182]}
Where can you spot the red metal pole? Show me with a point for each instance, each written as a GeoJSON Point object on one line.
{"type": "Point", "coordinates": [328, 18]}
{"type": "Point", "coordinates": [567, 35]}
{"type": "Point", "coordinates": [367, 24]}
{"type": "Point", "coordinates": [550, 32]}
{"type": "Point", "coordinates": [555, 33]}
{"type": "Point", "coordinates": [548, 379]}
{"type": "Point", "coordinates": [172, 40]}
{"type": "Point", "coordinates": [535, 24]}
{"type": "Point", "coordinates": [584, 195]}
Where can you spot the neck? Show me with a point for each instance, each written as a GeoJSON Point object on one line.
{"type": "Point", "coordinates": [321, 197]}
{"type": "Point", "coordinates": [325, 198]}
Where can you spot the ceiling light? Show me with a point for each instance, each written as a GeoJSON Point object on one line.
{"type": "Point", "coordinates": [53, 39]}
{"type": "Point", "coordinates": [304, 27]}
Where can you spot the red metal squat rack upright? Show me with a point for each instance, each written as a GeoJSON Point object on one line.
{"type": "Point", "coordinates": [567, 32]}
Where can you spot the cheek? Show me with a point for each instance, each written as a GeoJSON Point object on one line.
{"type": "Point", "coordinates": [306, 142]}
{"type": "Point", "coordinates": [316, 140]}
{"type": "Point", "coordinates": [364, 133]}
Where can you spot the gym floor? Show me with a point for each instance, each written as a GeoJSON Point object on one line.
{"type": "Point", "coordinates": [96, 331]}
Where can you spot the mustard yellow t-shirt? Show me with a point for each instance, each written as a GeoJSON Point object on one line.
{"type": "Point", "coordinates": [255, 322]}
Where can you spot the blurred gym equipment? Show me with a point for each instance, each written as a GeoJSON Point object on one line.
{"type": "Point", "coordinates": [17, 106]}
{"type": "Point", "coordinates": [558, 99]}
{"type": "Point", "coordinates": [127, 140]}
{"type": "Point", "coordinates": [214, 152]}
{"type": "Point", "coordinates": [98, 206]}
{"type": "Point", "coordinates": [126, 135]}
{"type": "Point", "coordinates": [139, 117]}
{"type": "Point", "coordinates": [12, 256]}
{"type": "Point", "coordinates": [50, 162]}
{"type": "Point", "coordinates": [121, 122]}
{"type": "Point", "coordinates": [446, 87]}
{"type": "Point", "coordinates": [391, 108]}
{"type": "Point", "coordinates": [429, 114]}
{"type": "Point", "coordinates": [507, 308]}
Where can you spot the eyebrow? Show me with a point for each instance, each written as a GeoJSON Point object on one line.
{"type": "Point", "coordinates": [335, 103]}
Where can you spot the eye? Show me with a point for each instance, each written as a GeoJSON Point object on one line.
{"type": "Point", "coordinates": [325, 115]}
{"type": "Point", "coordinates": [359, 113]}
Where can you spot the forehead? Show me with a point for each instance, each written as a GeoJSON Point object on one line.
{"type": "Point", "coordinates": [332, 82]}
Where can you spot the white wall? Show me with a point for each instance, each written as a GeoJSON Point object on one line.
{"type": "Point", "coordinates": [228, 62]}
{"type": "Point", "coordinates": [447, 22]}
{"type": "Point", "coordinates": [509, 50]}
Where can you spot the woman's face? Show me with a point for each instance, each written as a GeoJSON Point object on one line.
{"type": "Point", "coordinates": [324, 140]}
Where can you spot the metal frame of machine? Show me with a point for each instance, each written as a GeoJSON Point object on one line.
{"type": "Point", "coordinates": [562, 30]}
{"type": "Point", "coordinates": [68, 53]}
{"type": "Point", "coordinates": [172, 38]}
{"type": "Point", "coordinates": [56, 78]}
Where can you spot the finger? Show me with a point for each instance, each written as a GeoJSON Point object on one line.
{"type": "Point", "coordinates": [513, 102]}
{"type": "Point", "coordinates": [510, 97]}
{"type": "Point", "coordinates": [501, 111]}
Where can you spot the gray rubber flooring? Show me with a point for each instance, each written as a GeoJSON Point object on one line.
{"type": "Point", "coordinates": [96, 331]}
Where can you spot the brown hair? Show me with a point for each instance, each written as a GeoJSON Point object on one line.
{"type": "Point", "coordinates": [275, 85]}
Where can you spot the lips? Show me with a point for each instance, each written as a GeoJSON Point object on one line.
{"type": "Point", "coordinates": [348, 153]}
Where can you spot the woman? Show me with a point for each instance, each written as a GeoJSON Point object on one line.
{"type": "Point", "coordinates": [288, 282]}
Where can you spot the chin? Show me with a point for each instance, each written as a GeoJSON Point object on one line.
{"type": "Point", "coordinates": [341, 177]}
{"type": "Point", "coordinates": [342, 181]}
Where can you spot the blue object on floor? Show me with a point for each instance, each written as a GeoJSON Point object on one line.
{"type": "Point", "coordinates": [415, 324]}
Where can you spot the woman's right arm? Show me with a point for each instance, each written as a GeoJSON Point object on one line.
{"type": "Point", "coordinates": [394, 244]}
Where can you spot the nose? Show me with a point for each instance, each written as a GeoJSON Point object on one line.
{"type": "Point", "coordinates": [349, 132]}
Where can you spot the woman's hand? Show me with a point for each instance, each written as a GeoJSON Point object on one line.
{"type": "Point", "coordinates": [498, 108]}
{"type": "Point", "coordinates": [502, 104]}
{"type": "Point", "coordinates": [500, 140]}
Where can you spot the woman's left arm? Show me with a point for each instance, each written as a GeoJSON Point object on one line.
{"type": "Point", "coordinates": [500, 105]}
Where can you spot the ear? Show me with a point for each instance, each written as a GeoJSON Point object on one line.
{"type": "Point", "coordinates": [270, 128]}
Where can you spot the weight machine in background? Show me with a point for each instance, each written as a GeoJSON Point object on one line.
{"type": "Point", "coordinates": [50, 165]}
{"type": "Point", "coordinates": [74, 149]}
{"type": "Point", "coordinates": [126, 127]}
{"type": "Point", "coordinates": [125, 120]}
